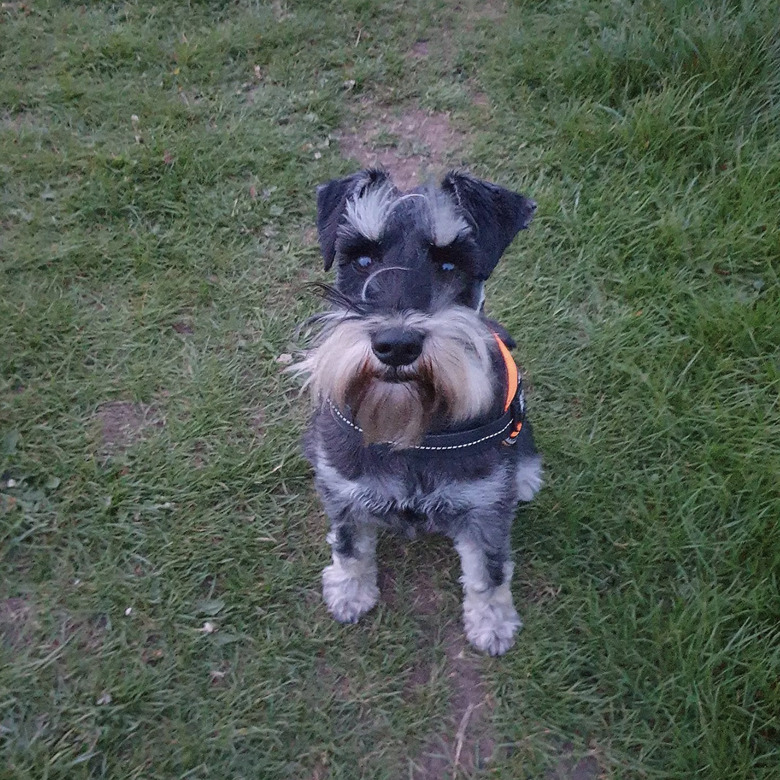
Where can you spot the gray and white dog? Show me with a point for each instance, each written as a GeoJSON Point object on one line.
{"type": "Point", "coordinates": [419, 419]}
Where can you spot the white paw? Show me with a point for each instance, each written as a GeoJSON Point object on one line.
{"type": "Point", "coordinates": [528, 477]}
{"type": "Point", "coordinates": [347, 596]}
{"type": "Point", "coordinates": [490, 627]}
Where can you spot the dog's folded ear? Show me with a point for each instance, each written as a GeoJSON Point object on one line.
{"type": "Point", "coordinates": [496, 214]}
{"type": "Point", "coordinates": [332, 200]}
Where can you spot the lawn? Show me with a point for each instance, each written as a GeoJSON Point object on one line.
{"type": "Point", "coordinates": [160, 541]}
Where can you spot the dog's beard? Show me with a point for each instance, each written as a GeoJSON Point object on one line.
{"type": "Point", "coordinates": [393, 406]}
{"type": "Point", "coordinates": [452, 380]}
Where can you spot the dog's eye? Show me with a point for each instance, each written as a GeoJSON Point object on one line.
{"type": "Point", "coordinates": [364, 261]}
{"type": "Point", "coordinates": [446, 259]}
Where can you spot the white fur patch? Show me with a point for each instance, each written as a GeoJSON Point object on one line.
{"type": "Point", "coordinates": [344, 347]}
{"type": "Point", "coordinates": [491, 622]}
{"type": "Point", "coordinates": [528, 477]}
{"type": "Point", "coordinates": [367, 213]}
{"type": "Point", "coordinates": [446, 224]}
{"type": "Point", "coordinates": [349, 584]}
{"type": "Point", "coordinates": [489, 616]}
{"type": "Point", "coordinates": [481, 304]}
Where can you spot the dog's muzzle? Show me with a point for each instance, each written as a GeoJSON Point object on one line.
{"type": "Point", "coordinates": [397, 346]}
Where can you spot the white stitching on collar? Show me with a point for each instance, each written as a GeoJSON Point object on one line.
{"type": "Point", "coordinates": [421, 447]}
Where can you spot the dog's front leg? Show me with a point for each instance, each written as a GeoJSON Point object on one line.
{"type": "Point", "coordinates": [488, 613]}
{"type": "Point", "coordinates": [349, 584]}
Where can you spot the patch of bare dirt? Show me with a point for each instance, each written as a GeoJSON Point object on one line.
{"type": "Point", "coordinates": [184, 327]}
{"type": "Point", "coordinates": [123, 423]}
{"type": "Point", "coordinates": [16, 8]}
{"type": "Point", "coordinates": [409, 143]}
{"type": "Point", "coordinates": [320, 770]}
{"type": "Point", "coordinates": [569, 767]}
{"type": "Point", "coordinates": [257, 423]}
{"type": "Point", "coordinates": [387, 581]}
{"type": "Point", "coordinates": [199, 454]}
{"type": "Point", "coordinates": [427, 598]}
{"type": "Point", "coordinates": [17, 622]}
{"type": "Point", "coordinates": [21, 120]}
{"type": "Point", "coordinates": [309, 237]}
{"type": "Point", "coordinates": [419, 50]}
{"type": "Point", "coordinates": [20, 627]}
{"type": "Point", "coordinates": [282, 12]}
{"type": "Point", "coordinates": [468, 742]}
{"type": "Point", "coordinates": [468, 745]}
{"type": "Point", "coordinates": [492, 10]}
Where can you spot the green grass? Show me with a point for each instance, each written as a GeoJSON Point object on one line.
{"type": "Point", "coordinates": [160, 261]}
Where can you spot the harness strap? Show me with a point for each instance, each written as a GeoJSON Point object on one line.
{"type": "Point", "coordinates": [514, 390]}
{"type": "Point", "coordinates": [511, 371]}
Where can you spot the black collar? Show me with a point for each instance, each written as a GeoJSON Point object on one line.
{"type": "Point", "coordinates": [504, 429]}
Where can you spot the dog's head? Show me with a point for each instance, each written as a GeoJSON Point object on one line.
{"type": "Point", "coordinates": [408, 342]}
{"type": "Point", "coordinates": [420, 250]}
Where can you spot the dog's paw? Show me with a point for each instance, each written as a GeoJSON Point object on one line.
{"type": "Point", "coordinates": [491, 627]}
{"type": "Point", "coordinates": [348, 597]}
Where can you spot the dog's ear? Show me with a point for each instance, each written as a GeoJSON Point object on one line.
{"type": "Point", "coordinates": [332, 200]}
{"type": "Point", "coordinates": [496, 214]}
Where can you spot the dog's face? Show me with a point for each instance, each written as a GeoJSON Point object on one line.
{"type": "Point", "coordinates": [408, 343]}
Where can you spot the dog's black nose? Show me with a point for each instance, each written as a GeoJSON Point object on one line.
{"type": "Point", "coordinates": [397, 346]}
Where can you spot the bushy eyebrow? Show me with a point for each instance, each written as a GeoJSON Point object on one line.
{"type": "Point", "coordinates": [446, 222]}
{"type": "Point", "coordinates": [367, 214]}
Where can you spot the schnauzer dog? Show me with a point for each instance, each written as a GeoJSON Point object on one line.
{"type": "Point", "coordinates": [419, 419]}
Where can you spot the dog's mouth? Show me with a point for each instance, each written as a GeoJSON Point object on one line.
{"type": "Point", "coordinates": [397, 375]}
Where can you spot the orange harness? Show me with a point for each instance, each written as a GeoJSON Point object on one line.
{"type": "Point", "coordinates": [512, 387]}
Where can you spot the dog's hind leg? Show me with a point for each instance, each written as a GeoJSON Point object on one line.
{"type": "Point", "coordinates": [489, 616]}
{"type": "Point", "coordinates": [349, 584]}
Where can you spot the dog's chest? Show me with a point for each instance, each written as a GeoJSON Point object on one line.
{"type": "Point", "coordinates": [415, 497]}
{"type": "Point", "coordinates": [411, 493]}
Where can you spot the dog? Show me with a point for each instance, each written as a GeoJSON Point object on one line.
{"type": "Point", "coordinates": [419, 419]}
